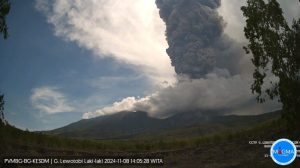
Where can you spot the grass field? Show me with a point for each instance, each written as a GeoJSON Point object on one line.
{"type": "Point", "coordinates": [225, 149]}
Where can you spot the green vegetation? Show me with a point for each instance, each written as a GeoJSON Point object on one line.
{"type": "Point", "coordinates": [4, 10]}
{"type": "Point", "coordinates": [276, 53]}
{"type": "Point", "coordinates": [15, 139]}
{"type": "Point", "coordinates": [275, 48]}
{"type": "Point", "coordinates": [128, 125]}
{"type": "Point", "coordinates": [222, 149]}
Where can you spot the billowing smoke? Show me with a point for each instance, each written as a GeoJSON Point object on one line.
{"type": "Point", "coordinates": [195, 36]}
{"type": "Point", "coordinates": [213, 74]}
{"type": "Point", "coordinates": [215, 93]}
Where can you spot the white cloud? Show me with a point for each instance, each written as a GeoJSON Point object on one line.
{"type": "Point", "coordinates": [133, 33]}
{"type": "Point", "coordinates": [130, 32]}
{"type": "Point", "coordinates": [50, 100]}
{"type": "Point", "coordinates": [231, 12]}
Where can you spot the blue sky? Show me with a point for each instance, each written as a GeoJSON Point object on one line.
{"type": "Point", "coordinates": [33, 57]}
{"type": "Point", "coordinates": [65, 60]}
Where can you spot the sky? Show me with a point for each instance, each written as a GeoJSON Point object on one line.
{"type": "Point", "coordinates": [41, 70]}
{"type": "Point", "coordinates": [68, 60]}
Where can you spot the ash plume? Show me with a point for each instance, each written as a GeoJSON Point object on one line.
{"type": "Point", "coordinates": [194, 32]}
{"type": "Point", "coordinates": [212, 70]}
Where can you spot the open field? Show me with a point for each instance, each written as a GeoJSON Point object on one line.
{"type": "Point", "coordinates": [227, 149]}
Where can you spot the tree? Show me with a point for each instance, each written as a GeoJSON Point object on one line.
{"type": "Point", "coordinates": [276, 53]}
{"type": "Point", "coordinates": [4, 10]}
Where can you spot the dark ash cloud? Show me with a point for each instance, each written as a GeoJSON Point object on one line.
{"type": "Point", "coordinates": [194, 32]}
{"type": "Point", "coordinates": [213, 73]}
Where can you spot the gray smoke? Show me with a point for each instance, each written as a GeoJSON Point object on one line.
{"type": "Point", "coordinates": [214, 74]}
{"type": "Point", "coordinates": [194, 32]}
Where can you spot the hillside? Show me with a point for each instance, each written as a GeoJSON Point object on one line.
{"type": "Point", "coordinates": [222, 150]}
{"type": "Point", "coordinates": [125, 125]}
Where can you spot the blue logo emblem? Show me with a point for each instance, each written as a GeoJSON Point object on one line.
{"type": "Point", "coordinates": [283, 152]}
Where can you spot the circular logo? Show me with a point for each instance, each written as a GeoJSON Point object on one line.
{"type": "Point", "coordinates": [283, 152]}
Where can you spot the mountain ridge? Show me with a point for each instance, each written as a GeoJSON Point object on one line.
{"type": "Point", "coordinates": [126, 124]}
